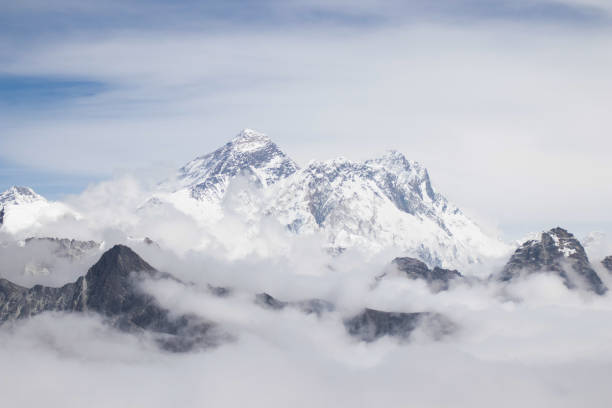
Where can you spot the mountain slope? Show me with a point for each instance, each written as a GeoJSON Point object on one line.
{"type": "Point", "coordinates": [370, 325]}
{"type": "Point", "coordinates": [387, 202]}
{"type": "Point", "coordinates": [557, 251]}
{"type": "Point", "coordinates": [202, 184]}
{"type": "Point", "coordinates": [110, 289]}
{"type": "Point", "coordinates": [437, 279]}
{"type": "Point", "coordinates": [607, 263]}
{"type": "Point", "coordinates": [377, 204]}
{"type": "Point", "coordinates": [250, 153]}
{"type": "Point", "coordinates": [22, 208]}
{"type": "Point", "coordinates": [64, 247]}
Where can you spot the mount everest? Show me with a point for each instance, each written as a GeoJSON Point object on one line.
{"type": "Point", "coordinates": [382, 204]}
{"type": "Point", "coordinates": [377, 204]}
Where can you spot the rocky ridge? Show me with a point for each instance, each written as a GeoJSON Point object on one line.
{"type": "Point", "coordinates": [110, 288]}
{"type": "Point", "coordinates": [559, 252]}
{"type": "Point", "coordinates": [438, 279]}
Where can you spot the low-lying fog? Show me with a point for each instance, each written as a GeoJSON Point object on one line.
{"type": "Point", "coordinates": [532, 343]}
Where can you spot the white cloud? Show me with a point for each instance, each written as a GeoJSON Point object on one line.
{"type": "Point", "coordinates": [511, 119]}
{"type": "Point", "coordinates": [489, 109]}
{"type": "Point", "coordinates": [549, 348]}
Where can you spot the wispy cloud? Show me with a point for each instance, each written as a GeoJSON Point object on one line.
{"type": "Point", "coordinates": [503, 96]}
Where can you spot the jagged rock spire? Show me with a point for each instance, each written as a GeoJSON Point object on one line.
{"type": "Point", "coordinates": [556, 251]}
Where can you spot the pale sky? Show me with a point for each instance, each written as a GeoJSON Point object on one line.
{"type": "Point", "coordinates": [505, 102]}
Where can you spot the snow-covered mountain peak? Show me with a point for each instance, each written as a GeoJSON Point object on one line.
{"type": "Point", "coordinates": [17, 195]}
{"type": "Point", "coordinates": [394, 158]}
{"type": "Point", "coordinates": [556, 250]}
{"type": "Point", "coordinates": [249, 153]}
{"type": "Point", "coordinates": [378, 204]}
{"type": "Point", "coordinates": [565, 241]}
{"type": "Point", "coordinates": [406, 173]}
{"type": "Point", "coordinates": [396, 162]}
{"type": "Point", "coordinates": [331, 169]}
{"type": "Point", "coordinates": [249, 140]}
{"type": "Point", "coordinates": [21, 208]}
{"type": "Point", "coordinates": [557, 240]}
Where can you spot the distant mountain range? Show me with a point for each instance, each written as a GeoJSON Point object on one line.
{"type": "Point", "coordinates": [111, 289]}
{"type": "Point", "coordinates": [382, 203]}
{"type": "Point", "coordinates": [386, 202]}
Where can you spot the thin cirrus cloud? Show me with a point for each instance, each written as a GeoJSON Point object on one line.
{"type": "Point", "coordinates": [491, 96]}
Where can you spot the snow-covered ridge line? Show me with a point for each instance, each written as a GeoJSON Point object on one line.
{"type": "Point", "coordinates": [18, 195]}
{"type": "Point", "coordinates": [385, 202]}
{"type": "Point", "coordinates": [21, 208]}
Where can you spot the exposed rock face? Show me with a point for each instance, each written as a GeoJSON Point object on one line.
{"type": "Point", "coordinates": [250, 154]}
{"type": "Point", "coordinates": [66, 248]}
{"type": "Point", "coordinates": [219, 291]}
{"type": "Point", "coordinates": [314, 306]}
{"type": "Point", "coordinates": [110, 289]}
{"type": "Point", "coordinates": [308, 306]}
{"type": "Point", "coordinates": [437, 278]}
{"type": "Point", "coordinates": [370, 325]}
{"type": "Point", "coordinates": [557, 251]}
{"type": "Point", "coordinates": [388, 202]}
{"type": "Point", "coordinates": [17, 302]}
{"type": "Point", "coordinates": [607, 263]}
{"type": "Point", "coordinates": [372, 205]}
{"type": "Point", "coordinates": [269, 302]}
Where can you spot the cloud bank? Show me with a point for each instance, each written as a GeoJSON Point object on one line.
{"type": "Point", "coordinates": [505, 102]}
{"type": "Point", "coordinates": [493, 100]}
{"type": "Point", "coordinates": [533, 342]}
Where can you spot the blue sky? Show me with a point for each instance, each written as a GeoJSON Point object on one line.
{"type": "Point", "coordinates": [499, 99]}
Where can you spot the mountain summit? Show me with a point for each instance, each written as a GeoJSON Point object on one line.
{"type": "Point", "coordinates": [376, 204]}
{"type": "Point", "coordinates": [250, 154]}
{"type": "Point", "coordinates": [17, 195]}
{"type": "Point", "coordinates": [556, 251]}
{"type": "Point", "coordinates": [110, 288]}
{"type": "Point", "coordinates": [387, 202]}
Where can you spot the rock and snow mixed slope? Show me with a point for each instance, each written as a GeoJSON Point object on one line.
{"type": "Point", "coordinates": [202, 184]}
{"type": "Point", "coordinates": [21, 208]}
{"type": "Point", "coordinates": [376, 204]}
{"type": "Point", "coordinates": [556, 251]}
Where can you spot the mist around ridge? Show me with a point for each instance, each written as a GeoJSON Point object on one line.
{"type": "Point", "coordinates": [533, 342]}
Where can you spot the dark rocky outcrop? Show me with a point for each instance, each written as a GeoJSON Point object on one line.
{"type": "Point", "coordinates": [110, 288]}
{"type": "Point", "coordinates": [557, 251]}
{"type": "Point", "coordinates": [314, 306]}
{"type": "Point", "coordinates": [308, 306]}
{"type": "Point", "coordinates": [370, 324]}
{"type": "Point", "coordinates": [607, 263]}
{"type": "Point", "coordinates": [1, 215]}
{"type": "Point", "coordinates": [269, 302]}
{"type": "Point", "coordinates": [437, 279]}
{"type": "Point", "coordinates": [219, 291]}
